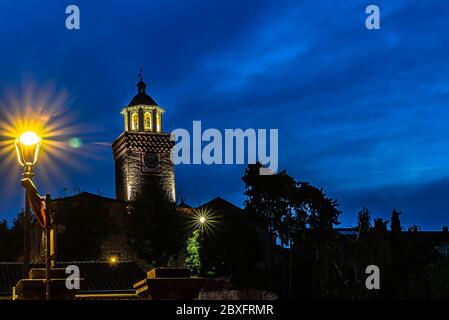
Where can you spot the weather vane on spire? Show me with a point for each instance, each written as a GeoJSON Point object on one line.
{"type": "Point", "coordinates": [141, 84]}
{"type": "Point", "coordinates": [141, 74]}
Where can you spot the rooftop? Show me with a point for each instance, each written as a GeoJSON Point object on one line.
{"type": "Point", "coordinates": [142, 98]}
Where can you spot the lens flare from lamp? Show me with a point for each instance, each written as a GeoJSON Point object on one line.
{"type": "Point", "coordinates": [44, 110]}
{"type": "Point", "coordinates": [75, 143]}
{"type": "Point", "coordinates": [205, 219]}
{"type": "Point", "coordinates": [113, 260]}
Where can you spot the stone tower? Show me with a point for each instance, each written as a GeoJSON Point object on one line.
{"type": "Point", "coordinates": [142, 151]}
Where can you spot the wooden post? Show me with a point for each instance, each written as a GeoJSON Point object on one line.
{"type": "Point", "coordinates": [47, 246]}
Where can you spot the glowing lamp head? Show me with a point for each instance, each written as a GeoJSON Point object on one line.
{"type": "Point", "coordinates": [28, 146]}
{"type": "Point", "coordinates": [202, 220]}
{"type": "Point", "coordinates": [29, 138]}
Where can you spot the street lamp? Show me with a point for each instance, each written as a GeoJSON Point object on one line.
{"type": "Point", "coordinates": [202, 220]}
{"type": "Point", "coordinates": [28, 147]}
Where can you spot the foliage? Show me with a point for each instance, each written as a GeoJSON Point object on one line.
{"type": "Point", "coordinates": [5, 237]}
{"type": "Point", "coordinates": [11, 239]}
{"type": "Point", "coordinates": [363, 220]}
{"type": "Point", "coordinates": [193, 259]}
{"type": "Point", "coordinates": [292, 211]}
{"type": "Point", "coordinates": [286, 205]}
{"type": "Point", "coordinates": [395, 227]}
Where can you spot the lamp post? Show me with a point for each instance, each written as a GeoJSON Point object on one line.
{"type": "Point", "coordinates": [28, 147]}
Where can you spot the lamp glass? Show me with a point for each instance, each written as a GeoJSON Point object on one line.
{"type": "Point", "coordinates": [29, 138]}
{"type": "Point", "coordinates": [28, 146]}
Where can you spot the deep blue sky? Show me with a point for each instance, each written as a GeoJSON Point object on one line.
{"type": "Point", "coordinates": [363, 114]}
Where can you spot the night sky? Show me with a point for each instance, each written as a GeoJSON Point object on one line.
{"type": "Point", "coordinates": [363, 114]}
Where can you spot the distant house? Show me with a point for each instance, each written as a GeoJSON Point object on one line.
{"type": "Point", "coordinates": [80, 222]}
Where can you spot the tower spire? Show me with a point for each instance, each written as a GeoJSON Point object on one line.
{"type": "Point", "coordinates": [141, 86]}
{"type": "Point", "coordinates": [142, 168]}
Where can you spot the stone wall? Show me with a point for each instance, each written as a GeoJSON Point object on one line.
{"type": "Point", "coordinates": [142, 160]}
{"type": "Point", "coordinates": [120, 182]}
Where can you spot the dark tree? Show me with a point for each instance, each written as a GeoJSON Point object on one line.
{"type": "Point", "coordinates": [398, 257]}
{"type": "Point", "coordinates": [395, 226]}
{"type": "Point", "coordinates": [322, 211]}
{"type": "Point", "coordinates": [268, 197]}
{"type": "Point", "coordinates": [155, 229]}
{"type": "Point", "coordinates": [364, 221]}
{"type": "Point", "coordinates": [17, 231]}
{"type": "Point", "coordinates": [6, 254]}
{"type": "Point", "coordinates": [11, 239]}
{"type": "Point", "coordinates": [288, 208]}
{"type": "Point", "coordinates": [380, 226]}
{"type": "Point", "coordinates": [259, 202]}
{"type": "Point", "coordinates": [232, 248]}
{"type": "Point", "coordinates": [317, 245]}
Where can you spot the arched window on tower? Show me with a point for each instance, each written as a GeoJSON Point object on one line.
{"type": "Point", "coordinates": [158, 122]}
{"type": "Point", "coordinates": [148, 121]}
{"type": "Point", "coordinates": [134, 121]}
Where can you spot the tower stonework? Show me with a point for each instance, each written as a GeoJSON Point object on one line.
{"type": "Point", "coordinates": [142, 151]}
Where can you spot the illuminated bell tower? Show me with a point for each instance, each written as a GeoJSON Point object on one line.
{"type": "Point", "coordinates": [142, 151]}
